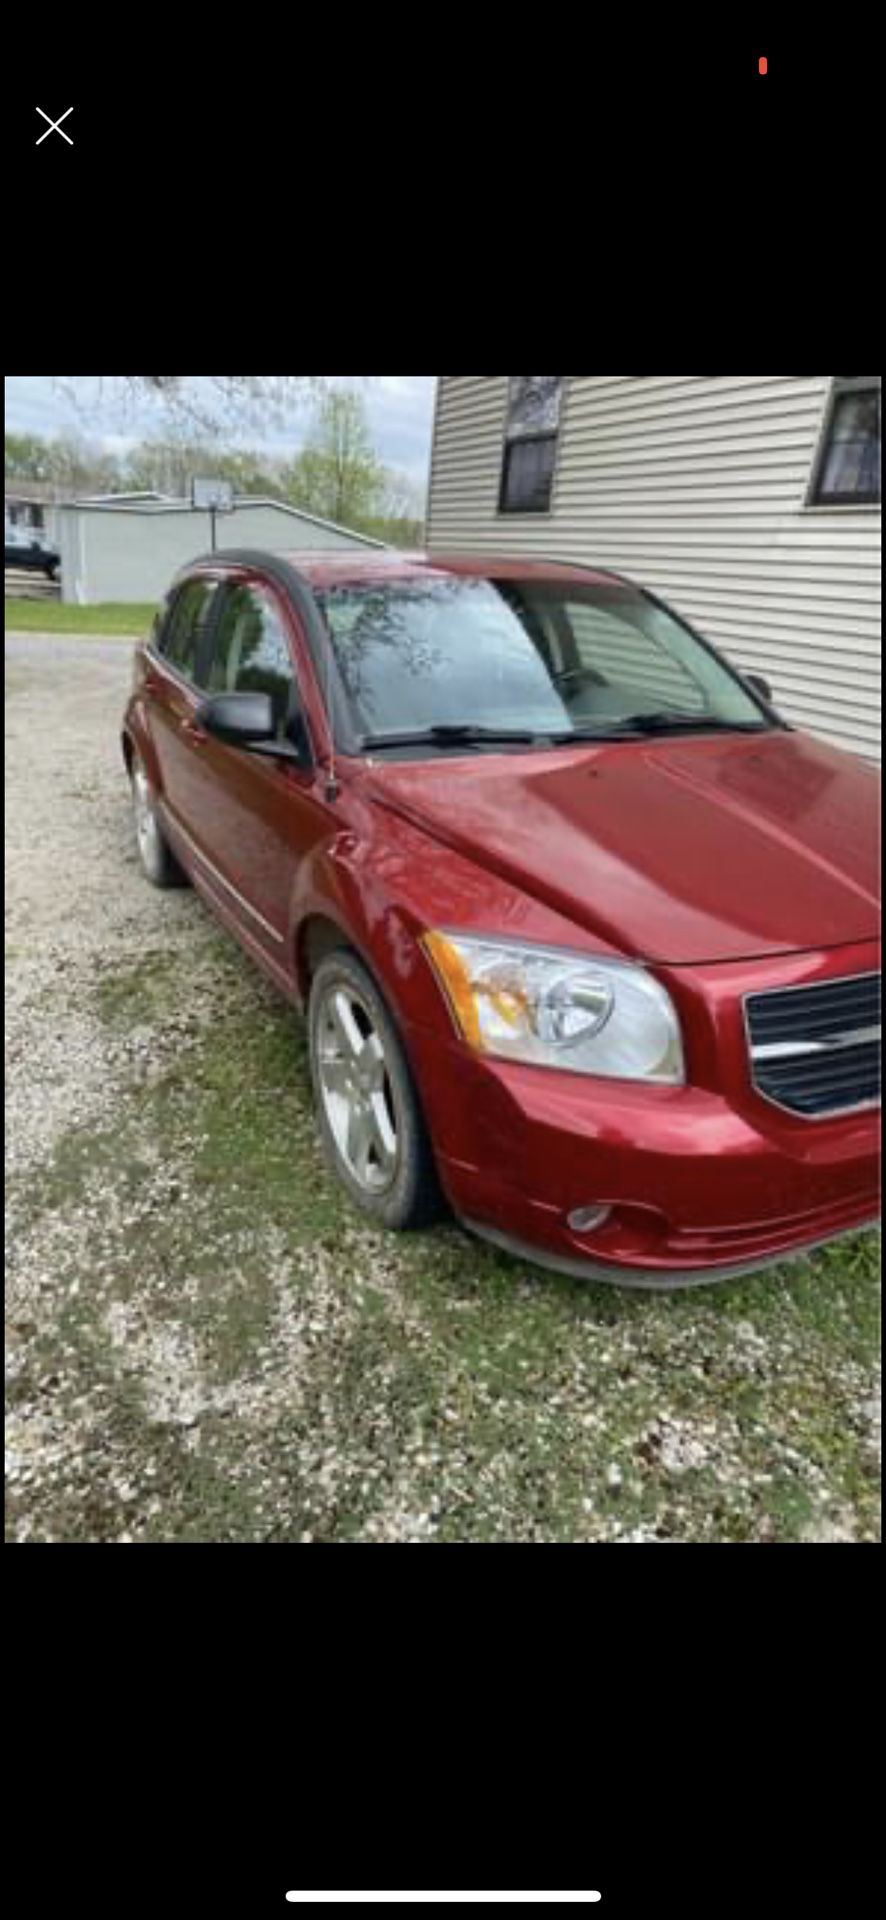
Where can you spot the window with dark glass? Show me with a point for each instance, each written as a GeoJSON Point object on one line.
{"type": "Point", "coordinates": [531, 429]}
{"type": "Point", "coordinates": [250, 650]}
{"type": "Point", "coordinates": [183, 631]}
{"type": "Point", "coordinates": [848, 467]}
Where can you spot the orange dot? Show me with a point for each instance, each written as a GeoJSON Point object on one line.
{"type": "Point", "coordinates": [763, 64]}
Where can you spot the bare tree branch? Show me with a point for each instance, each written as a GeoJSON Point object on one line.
{"type": "Point", "coordinates": [230, 401]}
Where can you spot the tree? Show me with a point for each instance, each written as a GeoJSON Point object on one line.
{"type": "Point", "coordinates": [222, 401]}
{"type": "Point", "coordinates": [337, 475]}
{"type": "Point", "coordinates": [70, 463]}
{"type": "Point", "coordinates": [78, 465]}
{"type": "Point", "coordinates": [26, 457]}
{"type": "Point", "coordinates": [249, 472]}
{"type": "Point", "coordinates": [234, 389]}
{"type": "Point", "coordinates": [162, 466]}
{"type": "Point", "coordinates": [169, 465]}
{"type": "Point", "coordinates": [399, 521]}
{"type": "Point", "coordinates": [403, 500]}
{"type": "Point", "coordinates": [396, 531]}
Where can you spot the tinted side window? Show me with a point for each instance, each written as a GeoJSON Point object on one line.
{"type": "Point", "coordinates": [157, 635]}
{"type": "Point", "coordinates": [250, 652]}
{"type": "Point", "coordinates": [185, 625]}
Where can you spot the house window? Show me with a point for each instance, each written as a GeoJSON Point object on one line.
{"type": "Point", "coordinates": [531, 429]}
{"type": "Point", "coordinates": [847, 471]}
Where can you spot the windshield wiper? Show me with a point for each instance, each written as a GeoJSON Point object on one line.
{"type": "Point", "coordinates": [457, 733]}
{"type": "Point", "coordinates": [669, 720]}
{"type": "Point", "coordinates": [452, 733]}
{"type": "Point", "coordinates": [663, 720]}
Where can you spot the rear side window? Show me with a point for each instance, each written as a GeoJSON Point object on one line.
{"type": "Point", "coordinates": [250, 650]}
{"type": "Point", "coordinates": [185, 625]}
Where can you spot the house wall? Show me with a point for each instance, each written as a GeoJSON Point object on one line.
{"type": "Point", "coordinates": [696, 487]}
{"type": "Point", "coordinates": [116, 553]}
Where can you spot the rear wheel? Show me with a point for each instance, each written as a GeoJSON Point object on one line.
{"type": "Point", "coordinates": [371, 1122]}
{"type": "Point", "coordinates": [158, 861]}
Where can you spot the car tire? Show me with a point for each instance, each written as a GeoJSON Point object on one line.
{"type": "Point", "coordinates": [371, 1123]}
{"type": "Point", "coordinates": [158, 862]}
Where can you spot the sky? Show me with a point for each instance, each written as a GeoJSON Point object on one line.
{"type": "Point", "coordinates": [400, 408]}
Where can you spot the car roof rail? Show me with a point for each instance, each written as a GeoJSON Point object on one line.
{"type": "Point", "coordinates": [586, 566]}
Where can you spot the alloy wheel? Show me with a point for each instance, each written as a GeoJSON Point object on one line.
{"type": "Point", "coordinates": [356, 1089]}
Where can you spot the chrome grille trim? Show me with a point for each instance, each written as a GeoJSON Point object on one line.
{"type": "Point", "coordinates": [812, 1047]}
{"type": "Point", "coordinates": [793, 1049]}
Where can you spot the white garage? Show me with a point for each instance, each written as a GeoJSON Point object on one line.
{"type": "Point", "coordinates": [125, 552]}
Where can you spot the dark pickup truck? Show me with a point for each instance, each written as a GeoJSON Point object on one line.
{"type": "Point", "coordinates": [24, 550]}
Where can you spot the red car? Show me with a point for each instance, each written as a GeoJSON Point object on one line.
{"type": "Point", "coordinates": [587, 934]}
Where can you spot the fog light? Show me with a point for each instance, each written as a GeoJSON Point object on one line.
{"type": "Point", "coordinates": [583, 1219]}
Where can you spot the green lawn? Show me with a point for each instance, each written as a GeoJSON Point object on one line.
{"type": "Point", "coordinates": [129, 618]}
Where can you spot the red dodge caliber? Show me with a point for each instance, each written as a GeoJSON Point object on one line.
{"type": "Point", "coordinates": [586, 933]}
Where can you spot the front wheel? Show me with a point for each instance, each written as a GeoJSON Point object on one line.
{"type": "Point", "coordinates": [371, 1123]}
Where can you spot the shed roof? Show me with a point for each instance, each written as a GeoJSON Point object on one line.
{"type": "Point", "coordinates": [123, 503]}
{"type": "Point", "coordinates": [41, 492]}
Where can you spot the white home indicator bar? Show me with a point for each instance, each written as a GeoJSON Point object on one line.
{"type": "Point", "coordinates": [442, 1898]}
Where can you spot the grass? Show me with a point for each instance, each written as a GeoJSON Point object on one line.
{"type": "Point", "coordinates": [239, 1356]}
{"type": "Point", "coordinates": [130, 619]}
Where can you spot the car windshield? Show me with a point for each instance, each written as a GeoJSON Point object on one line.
{"type": "Point", "coordinates": [475, 656]}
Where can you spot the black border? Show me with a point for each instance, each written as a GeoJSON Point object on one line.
{"type": "Point", "coordinates": [689, 1730]}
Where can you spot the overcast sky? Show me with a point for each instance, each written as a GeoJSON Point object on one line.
{"type": "Point", "coordinates": [400, 410]}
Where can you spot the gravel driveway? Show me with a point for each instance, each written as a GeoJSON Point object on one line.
{"type": "Point", "coordinates": [204, 1342]}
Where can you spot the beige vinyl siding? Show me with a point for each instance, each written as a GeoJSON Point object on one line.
{"type": "Point", "coordinates": [625, 657]}
{"type": "Point", "coordinates": [696, 487]}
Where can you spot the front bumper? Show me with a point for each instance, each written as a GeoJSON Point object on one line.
{"type": "Point", "coordinates": [644, 1278]}
{"type": "Point", "coordinates": [700, 1186]}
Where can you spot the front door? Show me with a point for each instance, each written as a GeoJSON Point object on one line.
{"type": "Point", "coordinates": [259, 816]}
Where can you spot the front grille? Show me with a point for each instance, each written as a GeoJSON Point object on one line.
{"type": "Point", "coordinates": [816, 1050]}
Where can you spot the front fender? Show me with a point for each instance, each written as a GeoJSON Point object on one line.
{"type": "Point", "coordinates": [383, 881]}
{"type": "Point", "coordinates": [334, 884]}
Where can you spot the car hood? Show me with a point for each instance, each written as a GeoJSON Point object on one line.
{"type": "Point", "coordinates": [697, 849]}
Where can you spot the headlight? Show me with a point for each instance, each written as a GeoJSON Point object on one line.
{"type": "Point", "coordinates": [558, 1009]}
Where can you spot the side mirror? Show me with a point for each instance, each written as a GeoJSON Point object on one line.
{"type": "Point", "coordinates": [759, 685]}
{"type": "Point", "coordinates": [240, 719]}
{"type": "Point", "coordinates": [248, 720]}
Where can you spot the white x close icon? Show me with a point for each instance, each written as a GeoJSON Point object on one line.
{"type": "Point", "coordinates": [55, 126]}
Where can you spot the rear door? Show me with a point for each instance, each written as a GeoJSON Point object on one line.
{"type": "Point", "coordinates": [173, 698]}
